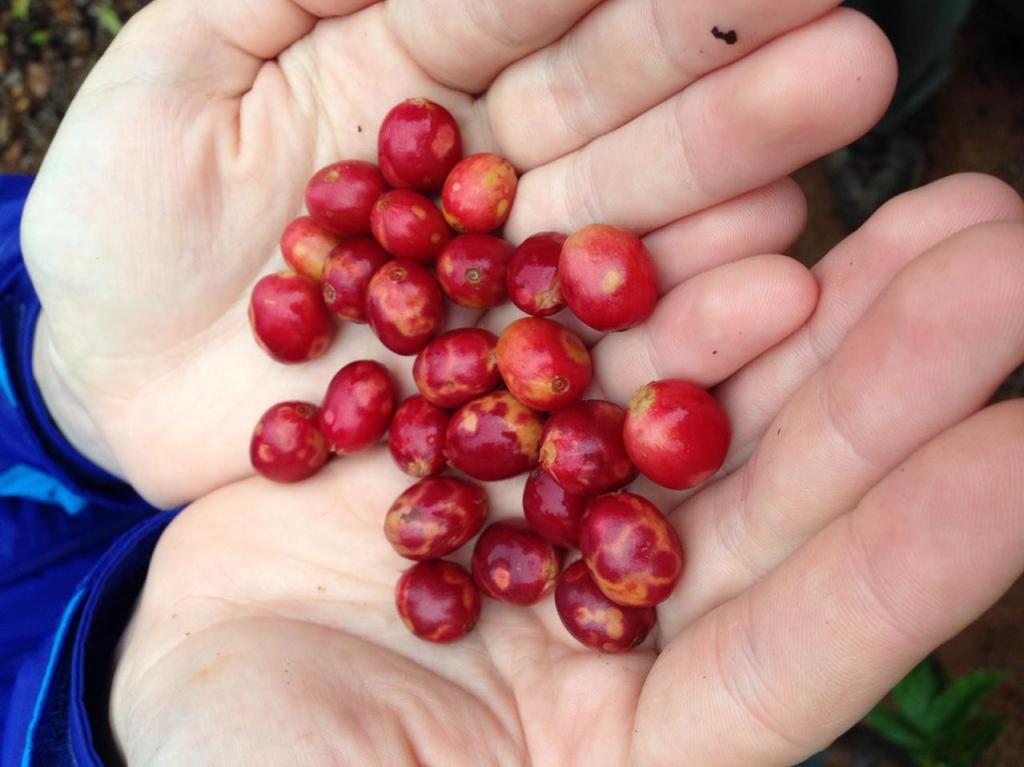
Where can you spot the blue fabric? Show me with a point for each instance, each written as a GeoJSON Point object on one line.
{"type": "Point", "coordinates": [74, 546]}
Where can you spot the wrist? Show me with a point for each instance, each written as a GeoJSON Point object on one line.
{"type": "Point", "coordinates": [64, 403]}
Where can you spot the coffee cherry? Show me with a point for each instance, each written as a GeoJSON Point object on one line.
{"type": "Point", "coordinates": [532, 278]}
{"type": "Point", "coordinates": [358, 405]}
{"type": "Point", "coordinates": [287, 445]}
{"type": "Point", "coordinates": [404, 306]}
{"type": "Point", "coordinates": [435, 517]}
{"type": "Point", "coordinates": [595, 620]}
{"type": "Point", "coordinates": [418, 145]}
{"type": "Point", "coordinates": [416, 437]}
{"type": "Point", "coordinates": [511, 563]}
{"type": "Point", "coordinates": [306, 245]}
{"type": "Point", "coordinates": [341, 196]}
{"type": "Point", "coordinates": [554, 513]}
{"type": "Point", "coordinates": [471, 270]}
{"type": "Point", "coordinates": [676, 433]}
{"type": "Point", "coordinates": [494, 437]}
{"type": "Point", "coordinates": [457, 366]}
{"type": "Point", "coordinates": [289, 319]}
{"type": "Point", "coordinates": [408, 225]}
{"type": "Point", "coordinates": [478, 193]}
{"type": "Point", "coordinates": [437, 601]}
{"type": "Point", "coordinates": [544, 364]}
{"type": "Point", "coordinates": [631, 549]}
{"type": "Point", "coordinates": [607, 277]}
{"type": "Point", "coordinates": [347, 274]}
{"type": "Point", "coordinates": [583, 448]}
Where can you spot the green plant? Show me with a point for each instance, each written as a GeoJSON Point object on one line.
{"type": "Point", "coordinates": [108, 19]}
{"type": "Point", "coordinates": [40, 37]}
{"type": "Point", "coordinates": [19, 9]}
{"type": "Point", "coordinates": [940, 723]}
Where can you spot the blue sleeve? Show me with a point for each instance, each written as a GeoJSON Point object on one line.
{"type": "Point", "coordinates": [75, 543]}
{"type": "Point", "coordinates": [35, 459]}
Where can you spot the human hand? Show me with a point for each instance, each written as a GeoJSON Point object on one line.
{"type": "Point", "coordinates": [187, 149]}
{"type": "Point", "coordinates": [868, 512]}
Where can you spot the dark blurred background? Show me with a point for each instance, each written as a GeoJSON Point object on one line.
{"type": "Point", "coordinates": [973, 121]}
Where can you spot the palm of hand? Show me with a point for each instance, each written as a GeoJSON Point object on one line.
{"type": "Point", "coordinates": [188, 218]}
{"type": "Point", "coordinates": [279, 601]}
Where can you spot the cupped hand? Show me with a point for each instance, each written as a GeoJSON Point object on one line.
{"type": "Point", "coordinates": [870, 509]}
{"type": "Point", "coordinates": [186, 152]}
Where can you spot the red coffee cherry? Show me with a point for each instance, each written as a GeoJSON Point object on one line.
{"type": "Point", "coordinates": [287, 445]}
{"type": "Point", "coordinates": [437, 601]}
{"type": "Point", "coordinates": [544, 364]}
{"type": "Point", "coordinates": [358, 405]}
{"type": "Point", "coordinates": [478, 193]}
{"type": "Point", "coordinates": [595, 620]}
{"type": "Point", "coordinates": [607, 277]}
{"type": "Point", "coordinates": [289, 318]}
{"type": "Point", "coordinates": [341, 196]}
{"type": "Point", "coordinates": [418, 145]}
{"type": "Point", "coordinates": [435, 517]}
{"type": "Point", "coordinates": [631, 549]}
{"type": "Point", "coordinates": [676, 433]}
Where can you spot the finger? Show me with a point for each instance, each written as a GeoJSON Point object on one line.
{"type": "Point", "coordinates": [931, 351]}
{"type": "Point", "coordinates": [851, 278]}
{"type": "Point", "coordinates": [708, 327]}
{"type": "Point", "coordinates": [466, 43]}
{"type": "Point", "coordinates": [737, 129]}
{"type": "Point", "coordinates": [766, 220]}
{"type": "Point", "coordinates": [780, 671]}
{"type": "Point", "coordinates": [622, 59]}
{"type": "Point", "coordinates": [219, 47]}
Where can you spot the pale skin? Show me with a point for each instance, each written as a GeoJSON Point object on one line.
{"type": "Point", "coordinates": [871, 505]}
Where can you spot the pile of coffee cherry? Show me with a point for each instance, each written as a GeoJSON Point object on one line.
{"type": "Point", "coordinates": [376, 248]}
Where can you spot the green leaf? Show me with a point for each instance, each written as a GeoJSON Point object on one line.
{"type": "Point", "coordinates": [985, 732]}
{"type": "Point", "coordinates": [891, 726]}
{"type": "Point", "coordinates": [916, 691]}
{"type": "Point", "coordinates": [40, 37]}
{"type": "Point", "coordinates": [19, 9]}
{"type": "Point", "coordinates": [954, 705]}
{"type": "Point", "coordinates": [109, 19]}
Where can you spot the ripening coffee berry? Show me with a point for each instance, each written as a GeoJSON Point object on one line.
{"type": "Point", "coordinates": [478, 193]}
{"type": "Point", "coordinates": [416, 437]}
{"type": "Point", "coordinates": [595, 620]}
{"type": "Point", "coordinates": [552, 511]}
{"type": "Point", "coordinates": [404, 306]}
{"type": "Point", "coordinates": [607, 277]}
{"type": "Point", "coordinates": [494, 437]}
{"type": "Point", "coordinates": [289, 318]}
{"type": "Point", "coordinates": [341, 196]}
{"type": "Point", "coordinates": [583, 448]}
{"type": "Point", "coordinates": [631, 549]}
{"type": "Point", "coordinates": [544, 364]}
{"type": "Point", "coordinates": [435, 517]}
{"type": "Point", "coordinates": [287, 445]}
{"type": "Point", "coordinates": [306, 245]}
{"type": "Point", "coordinates": [408, 225]}
{"type": "Point", "coordinates": [418, 145]}
{"type": "Point", "coordinates": [457, 366]}
{"type": "Point", "coordinates": [437, 601]}
{"type": "Point", "coordinates": [676, 433]}
{"type": "Point", "coordinates": [347, 274]}
{"type": "Point", "coordinates": [532, 278]}
{"type": "Point", "coordinates": [471, 270]}
{"type": "Point", "coordinates": [358, 405]}
{"type": "Point", "coordinates": [513, 564]}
